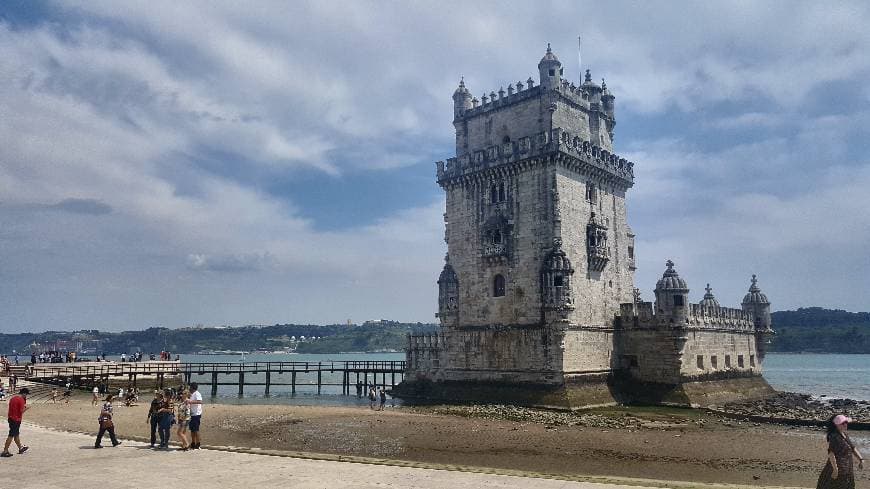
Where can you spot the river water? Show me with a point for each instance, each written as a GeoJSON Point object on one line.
{"type": "Point", "coordinates": [836, 376]}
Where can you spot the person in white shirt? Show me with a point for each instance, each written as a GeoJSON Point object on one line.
{"type": "Point", "coordinates": [195, 402]}
{"type": "Point", "coordinates": [96, 398]}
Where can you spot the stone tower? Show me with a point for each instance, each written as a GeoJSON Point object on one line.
{"type": "Point", "coordinates": [540, 255]}
{"type": "Point", "coordinates": [536, 302]}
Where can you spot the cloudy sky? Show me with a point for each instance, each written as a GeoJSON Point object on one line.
{"type": "Point", "coordinates": [214, 163]}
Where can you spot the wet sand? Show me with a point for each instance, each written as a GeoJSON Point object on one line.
{"type": "Point", "coordinates": [654, 443]}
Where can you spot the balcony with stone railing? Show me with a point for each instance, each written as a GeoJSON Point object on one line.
{"type": "Point", "coordinates": [494, 250]}
{"type": "Point", "coordinates": [598, 256]}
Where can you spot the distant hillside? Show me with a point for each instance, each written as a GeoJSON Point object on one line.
{"type": "Point", "coordinates": [814, 329]}
{"type": "Point", "coordinates": [811, 329]}
{"type": "Point", "coordinates": [335, 338]}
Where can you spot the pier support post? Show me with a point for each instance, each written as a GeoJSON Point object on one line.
{"type": "Point", "coordinates": [241, 383]}
{"type": "Point", "coordinates": [268, 380]}
{"type": "Point", "coordinates": [293, 382]}
{"type": "Point", "coordinates": [214, 384]}
{"type": "Point", "coordinates": [319, 373]}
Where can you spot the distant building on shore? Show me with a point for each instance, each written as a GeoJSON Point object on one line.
{"type": "Point", "coordinates": [537, 302]}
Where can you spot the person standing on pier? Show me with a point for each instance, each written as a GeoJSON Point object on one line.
{"type": "Point", "coordinates": [195, 403]}
{"type": "Point", "coordinates": [106, 423]}
{"type": "Point", "coordinates": [17, 406]}
{"type": "Point", "coordinates": [839, 472]}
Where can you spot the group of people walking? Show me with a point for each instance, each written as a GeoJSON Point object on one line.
{"type": "Point", "coordinates": [183, 409]}
{"type": "Point", "coordinates": [374, 395]}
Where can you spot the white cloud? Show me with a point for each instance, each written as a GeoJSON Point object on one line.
{"type": "Point", "coordinates": [176, 117]}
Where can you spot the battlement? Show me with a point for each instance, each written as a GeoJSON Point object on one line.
{"type": "Point", "coordinates": [643, 315]}
{"type": "Point", "coordinates": [587, 97]}
{"type": "Point", "coordinates": [538, 145]}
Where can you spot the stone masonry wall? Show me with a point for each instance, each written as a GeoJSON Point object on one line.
{"type": "Point", "coordinates": [526, 209]}
{"type": "Point", "coordinates": [598, 295]}
{"type": "Point", "coordinates": [519, 119]}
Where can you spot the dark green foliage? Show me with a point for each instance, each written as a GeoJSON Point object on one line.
{"type": "Point", "coordinates": [335, 338]}
{"type": "Point", "coordinates": [818, 330]}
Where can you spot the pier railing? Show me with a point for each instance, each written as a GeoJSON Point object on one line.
{"type": "Point", "coordinates": [207, 373]}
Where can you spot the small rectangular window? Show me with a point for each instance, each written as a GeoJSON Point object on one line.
{"type": "Point", "coordinates": [552, 72]}
{"type": "Point", "coordinates": [714, 362]}
{"type": "Point", "coordinates": [678, 301]}
{"type": "Point", "coordinates": [631, 252]}
{"type": "Point", "coordinates": [727, 361]}
{"type": "Point", "coordinates": [558, 281]}
{"type": "Point", "coordinates": [740, 361]}
{"type": "Point", "coordinates": [701, 362]}
{"type": "Point", "coordinates": [751, 360]}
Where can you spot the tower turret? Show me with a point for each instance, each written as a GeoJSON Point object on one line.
{"type": "Point", "coordinates": [756, 303]}
{"type": "Point", "coordinates": [607, 99]}
{"type": "Point", "coordinates": [461, 99]}
{"type": "Point", "coordinates": [550, 69]}
{"type": "Point", "coordinates": [709, 300]}
{"type": "Point", "coordinates": [672, 296]}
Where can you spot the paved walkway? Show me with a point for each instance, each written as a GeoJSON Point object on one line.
{"type": "Point", "coordinates": [60, 459]}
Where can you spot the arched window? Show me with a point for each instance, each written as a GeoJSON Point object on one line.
{"type": "Point", "coordinates": [501, 193]}
{"type": "Point", "coordinates": [493, 194]}
{"type": "Point", "coordinates": [498, 286]}
{"type": "Point", "coordinates": [496, 237]}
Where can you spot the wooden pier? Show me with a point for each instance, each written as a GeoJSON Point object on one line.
{"type": "Point", "coordinates": [242, 374]}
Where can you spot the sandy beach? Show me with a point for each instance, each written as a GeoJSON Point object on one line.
{"type": "Point", "coordinates": [655, 443]}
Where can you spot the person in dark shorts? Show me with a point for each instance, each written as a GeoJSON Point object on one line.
{"type": "Point", "coordinates": [195, 403]}
{"type": "Point", "coordinates": [17, 406]}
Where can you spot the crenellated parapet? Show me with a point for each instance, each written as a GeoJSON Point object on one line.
{"type": "Point", "coordinates": [584, 157]}
{"type": "Point", "coordinates": [587, 97]}
{"type": "Point", "coordinates": [642, 315]}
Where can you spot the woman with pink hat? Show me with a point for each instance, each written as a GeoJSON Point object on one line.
{"type": "Point", "coordinates": [839, 472]}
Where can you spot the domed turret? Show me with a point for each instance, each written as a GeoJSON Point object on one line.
{"type": "Point", "coordinates": [755, 295]}
{"type": "Point", "coordinates": [550, 69]}
{"type": "Point", "coordinates": [461, 99]}
{"type": "Point", "coordinates": [709, 300]}
{"type": "Point", "coordinates": [672, 296]}
{"type": "Point", "coordinates": [756, 303]}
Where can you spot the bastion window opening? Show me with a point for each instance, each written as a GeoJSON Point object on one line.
{"type": "Point", "coordinates": [714, 362]}
{"type": "Point", "coordinates": [727, 361]}
{"type": "Point", "coordinates": [751, 360]}
{"type": "Point", "coordinates": [497, 193]}
{"type": "Point", "coordinates": [591, 193]}
{"type": "Point", "coordinates": [740, 361]}
{"type": "Point", "coordinates": [498, 286]}
{"type": "Point", "coordinates": [552, 72]}
{"type": "Point", "coordinates": [701, 362]}
{"type": "Point", "coordinates": [678, 301]}
{"type": "Point", "coordinates": [631, 252]}
{"type": "Point", "coordinates": [558, 281]}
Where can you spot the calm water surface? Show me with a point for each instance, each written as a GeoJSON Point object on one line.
{"type": "Point", "coordinates": [839, 376]}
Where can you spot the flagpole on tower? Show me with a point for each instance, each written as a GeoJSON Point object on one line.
{"type": "Point", "coordinates": [580, 58]}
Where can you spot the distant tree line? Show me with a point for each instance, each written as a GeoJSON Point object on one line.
{"type": "Point", "coordinates": [819, 330]}
{"type": "Point", "coordinates": [811, 329]}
